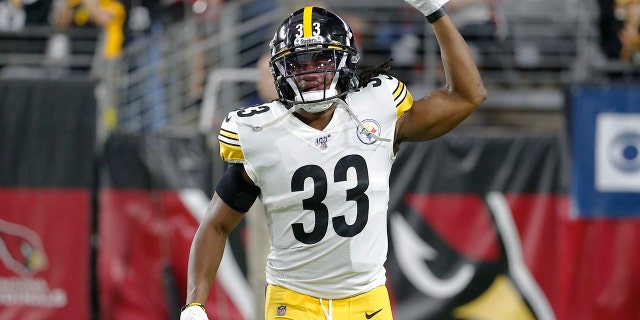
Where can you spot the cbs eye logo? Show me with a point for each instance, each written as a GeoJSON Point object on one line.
{"type": "Point", "coordinates": [623, 152]}
{"type": "Point", "coordinates": [617, 158]}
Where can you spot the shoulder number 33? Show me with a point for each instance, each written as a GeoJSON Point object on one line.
{"type": "Point", "coordinates": [320, 192]}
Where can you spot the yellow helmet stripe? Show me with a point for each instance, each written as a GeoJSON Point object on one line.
{"type": "Point", "coordinates": [306, 22]}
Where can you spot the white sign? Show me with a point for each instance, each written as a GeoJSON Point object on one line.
{"type": "Point", "coordinates": [617, 152]}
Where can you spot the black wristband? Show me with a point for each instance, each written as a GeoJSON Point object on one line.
{"type": "Point", "coordinates": [436, 15]}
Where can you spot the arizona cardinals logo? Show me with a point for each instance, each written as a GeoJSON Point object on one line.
{"type": "Point", "coordinates": [21, 249]}
{"type": "Point", "coordinates": [462, 282]}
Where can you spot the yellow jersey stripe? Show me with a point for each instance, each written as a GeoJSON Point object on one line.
{"type": "Point", "coordinates": [306, 22]}
{"type": "Point", "coordinates": [398, 90]}
{"type": "Point", "coordinates": [404, 105]}
{"type": "Point", "coordinates": [229, 152]}
{"type": "Point", "coordinates": [228, 134]}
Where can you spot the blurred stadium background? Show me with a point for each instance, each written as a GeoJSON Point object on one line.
{"type": "Point", "coordinates": [540, 47]}
{"type": "Point", "coordinates": [125, 145]}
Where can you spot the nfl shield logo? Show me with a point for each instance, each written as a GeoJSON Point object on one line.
{"type": "Point", "coordinates": [281, 310]}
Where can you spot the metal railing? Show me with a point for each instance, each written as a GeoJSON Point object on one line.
{"type": "Point", "coordinates": [545, 45]}
{"type": "Point", "coordinates": [161, 78]}
{"type": "Point", "coordinates": [42, 48]}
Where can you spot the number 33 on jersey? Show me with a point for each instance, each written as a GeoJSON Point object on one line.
{"type": "Point", "coordinates": [325, 192]}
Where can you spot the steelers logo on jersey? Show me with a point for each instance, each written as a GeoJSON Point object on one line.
{"type": "Point", "coordinates": [367, 131]}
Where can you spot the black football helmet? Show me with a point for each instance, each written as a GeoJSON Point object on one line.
{"type": "Point", "coordinates": [313, 35]}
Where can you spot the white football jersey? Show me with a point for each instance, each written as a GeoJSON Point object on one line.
{"type": "Point", "coordinates": [325, 192]}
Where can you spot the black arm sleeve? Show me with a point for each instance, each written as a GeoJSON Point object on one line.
{"type": "Point", "coordinates": [235, 191]}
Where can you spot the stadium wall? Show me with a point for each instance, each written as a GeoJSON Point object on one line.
{"type": "Point", "coordinates": [481, 225]}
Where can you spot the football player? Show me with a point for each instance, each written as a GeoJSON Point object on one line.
{"type": "Point", "coordinates": [319, 158]}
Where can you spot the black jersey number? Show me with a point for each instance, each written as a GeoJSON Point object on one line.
{"type": "Point", "coordinates": [320, 210]}
{"type": "Point", "coordinates": [249, 111]}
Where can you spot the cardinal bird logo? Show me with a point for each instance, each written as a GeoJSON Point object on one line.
{"type": "Point", "coordinates": [458, 282]}
{"type": "Point", "coordinates": [21, 249]}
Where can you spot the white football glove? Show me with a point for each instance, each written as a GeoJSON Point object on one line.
{"type": "Point", "coordinates": [427, 7]}
{"type": "Point", "coordinates": [193, 313]}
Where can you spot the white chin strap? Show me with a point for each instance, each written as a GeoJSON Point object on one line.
{"type": "Point", "coordinates": [319, 95]}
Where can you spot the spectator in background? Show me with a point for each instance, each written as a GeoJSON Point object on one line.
{"type": "Point", "coordinates": [109, 15]}
{"type": "Point", "coordinates": [265, 88]}
{"type": "Point", "coordinates": [629, 34]}
{"type": "Point", "coordinates": [480, 25]}
{"type": "Point", "coordinates": [609, 25]}
{"type": "Point", "coordinates": [16, 14]}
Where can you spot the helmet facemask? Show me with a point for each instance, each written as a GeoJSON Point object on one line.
{"type": "Point", "coordinates": [312, 77]}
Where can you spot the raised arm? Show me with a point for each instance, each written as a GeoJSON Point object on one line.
{"type": "Point", "coordinates": [443, 109]}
